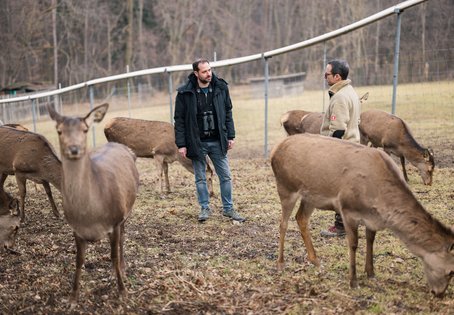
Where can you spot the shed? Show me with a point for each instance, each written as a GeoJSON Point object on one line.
{"type": "Point", "coordinates": [278, 86]}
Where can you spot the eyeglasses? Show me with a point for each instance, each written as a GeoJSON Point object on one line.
{"type": "Point", "coordinates": [327, 74]}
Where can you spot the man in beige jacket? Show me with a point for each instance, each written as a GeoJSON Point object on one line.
{"type": "Point", "coordinates": [341, 118]}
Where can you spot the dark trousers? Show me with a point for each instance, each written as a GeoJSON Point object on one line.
{"type": "Point", "coordinates": [338, 221]}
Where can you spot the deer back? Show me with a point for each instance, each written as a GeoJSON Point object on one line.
{"type": "Point", "coordinates": [145, 137]}
{"type": "Point", "coordinates": [291, 121]}
{"type": "Point", "coordinates": [29, 153]}
{"type": "Point", "coordinates": [312, 123]}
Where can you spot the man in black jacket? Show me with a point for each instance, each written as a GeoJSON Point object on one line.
{"type": "Point", "coordinates": [204, 126]}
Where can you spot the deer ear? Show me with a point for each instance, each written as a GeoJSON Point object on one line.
{"type": "Point", "coordinates": [96, 114]}
{"type": "Point", "coordinates": [53, 113]}
{"type": "Point", "coordinates": [364, 97]}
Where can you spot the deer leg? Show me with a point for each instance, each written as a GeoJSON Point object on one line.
{"type": "Point", "coordinates": [21, 184]}
{"type": "Point", "coordinates": [115, 237]}
{"type": "Point", "coordinates": [402, 161]}
{"type": "Point", "coordinates": [7, 201]}
{"type": "Point", "coordinates": [370, 237]}
{"type": "Point", "coordinates": [287, 204]}
{"type": "Point", "coordinates": [122, 257]}
{"type": "Point", "coordinates": [159, 161]}
{"type": "Point", "coordinates": [351, 229]}
{"type": "Point", "coordinates": [209, 177]}
{"type": "Point", "coordinates": [165, 168]}
{"type": "Point", "coordinates": [302, 218]}
{"type": "Point", "coordinates": [51, 199]}
{"type": "Point", "coordinates": [81, 246]}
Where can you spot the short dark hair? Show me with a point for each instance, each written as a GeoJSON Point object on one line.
{"type": "Point", "coordinates": [340, 67]}
{"type": "Point", "coordinates": [195, 64]}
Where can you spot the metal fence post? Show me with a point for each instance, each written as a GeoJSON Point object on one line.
{"type": "Point", "coordinates": [266, 105]}
{"type": "Point", "coordinates": [396, 59]}
{"type": "Point", "coordinates": [34, 114]}
{"type": "Point", "coordinates": [91, 94]}
{"type": "Point", "coordinates": [170, 96]}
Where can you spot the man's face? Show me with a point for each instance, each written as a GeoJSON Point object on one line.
{"type": "Point", "coordinates": [204, 74]}
{"type": "Point", "coordinates": [331, 78]}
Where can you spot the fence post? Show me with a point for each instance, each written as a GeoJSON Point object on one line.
{"type": "Point", "coordinates": [34, 114]}
{"type": "Point", "coordinates": [170, 96]}
{"type": "Point", "coordinates": [265, 59]}
{"type": "Point", "coordinates": [323, 77]}
{"type": "Point", "coordinates": [396, 59]}
{"type": "Point", "coordinates": [91, 94]}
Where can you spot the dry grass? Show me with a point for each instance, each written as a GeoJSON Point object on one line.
{"type": "Point", "coordinates": [178, 266]}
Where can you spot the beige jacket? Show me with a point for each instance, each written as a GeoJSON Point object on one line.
{"type": "Point", "coordinates": [343, 111]}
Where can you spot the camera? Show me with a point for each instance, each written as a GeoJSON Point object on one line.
{"type": "Point", "coordinates": [208, 122]}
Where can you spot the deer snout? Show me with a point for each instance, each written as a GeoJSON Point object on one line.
{"type": "Point", "coordinates": [439, 295]}
{"type": "Point", "coordinates": [73, 151]}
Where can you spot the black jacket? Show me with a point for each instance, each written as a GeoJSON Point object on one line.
{"type": "Point", "coordinates": [186, 128]}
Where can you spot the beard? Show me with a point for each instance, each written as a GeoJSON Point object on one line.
{"type": "Point", "coordinates": [205, 81]}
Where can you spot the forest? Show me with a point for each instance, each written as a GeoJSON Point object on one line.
{"type": "Point", "coordinates": [67, 41]}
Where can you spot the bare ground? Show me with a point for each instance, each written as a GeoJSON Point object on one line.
{"type": "Point", "coordinates": [179, 266]}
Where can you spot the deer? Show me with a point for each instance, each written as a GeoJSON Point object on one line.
{"type": "Point", "coordinates": [387, 131]}
{"type": "Point", "coordinates": [99, 189]}
{"type": "Point", "coordinates": [364, 186]}
{"type": "Point", "coordinates": [301, 121]}
{"type": "Point", "coordinates": [8, 203]}
{"type": "Point", "coordinates": [28, 156]}
{"type": "Point", "coordinates": [9, 226]}
{"type": "Point", "coordinates": [152, 139]}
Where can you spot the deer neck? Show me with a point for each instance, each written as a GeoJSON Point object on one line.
{"type": "Point", "coordinates": [77, 176]}
{"type": "Point", "coordinates": [417, 229]}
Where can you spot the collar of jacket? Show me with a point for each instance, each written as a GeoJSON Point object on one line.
{"type": "Point", "coordinates": [191, 84]}
{"type": "Point", "coordinates": [338, 86]}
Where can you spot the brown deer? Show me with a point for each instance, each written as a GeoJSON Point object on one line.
{"type": "Point", "coordinates": [28, 155]}
{"type": "Point", "coordinates": [9, 225]}
{"type": "Point", "coordinates": [8, 203]}
{"type": "Point", "coordinates": [387, 131]}
{"type": "Point", "coordinates": [152, 139]}
{"type": "Point", "coordinates": [364, 186]}
{"type": "Point", "coordinates": [301, 121]}
{"type": "Point", "coordinates": [99, 189]}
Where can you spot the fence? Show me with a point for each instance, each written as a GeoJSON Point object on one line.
{"type": "Point", "coordinates": [257, 114]}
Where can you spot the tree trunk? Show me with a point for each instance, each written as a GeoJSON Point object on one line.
{"type": "Point", "coordinates": [129, 41]}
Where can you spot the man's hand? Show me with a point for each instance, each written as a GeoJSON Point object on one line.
{"type": "Point", "coordinates": [182, 151]}
{"type": "Point", "coordinates": [230, 144]}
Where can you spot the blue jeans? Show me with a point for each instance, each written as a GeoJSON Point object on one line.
{"type": "Point", "coordinates": [221, 165]}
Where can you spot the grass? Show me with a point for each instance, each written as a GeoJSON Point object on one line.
{"type": "Point", "coordinates": [178, 266]}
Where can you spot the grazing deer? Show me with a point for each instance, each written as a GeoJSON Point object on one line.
{"type": "Point", "coordinates": [99, 189]}
{"type": "Point", "coordinates": [28, 155]}
{"type": "Point", "coordinates": [301, 121]}
{"type": "Point", "coordinates": [152, 139]}
{"type": "Point", "coordinates": [387, 131]}
{"type": "Point", "coordinates": [364, 186]}
{"type": "Point", "coordinates": [9, 225]}
{"type": "Point", "coordinates": [8, 203]}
